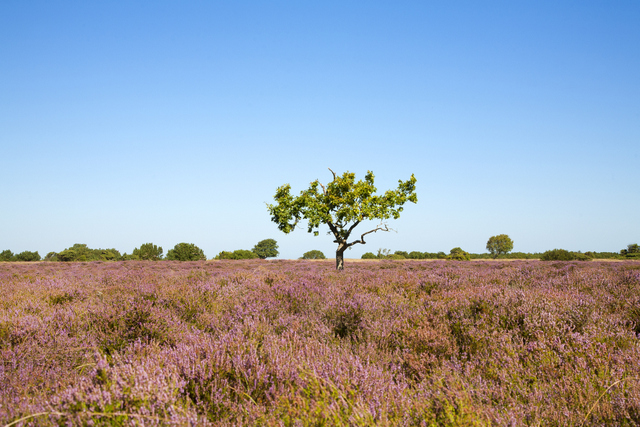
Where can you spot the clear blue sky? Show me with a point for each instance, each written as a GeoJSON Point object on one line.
{"type": "Point", "coordinates": [126, 122]}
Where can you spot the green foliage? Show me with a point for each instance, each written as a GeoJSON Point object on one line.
{"type": "Point", "coordinates": [148, 252]}
{"type": "Point", "coordinates": [237, 254]}
{"type": "Point", "coordinates": [67, 255]}
{"type": "Point", "coordinates": [6, 255]}
{"type": "Point", "coordinates": [27, 256]}
{"type": "Point", "coordinates": [499, 245]}
{"type": "Point", "coordinates": [186, 252]}
{"type": "Point", "coordinates": [402, 254]}
{"type": "Point", "coordinates": [557, 255]}
{"type": "Point", "coordinates": [51, 256]}
{"type": "Point", "coordinates": [341, 205]}
{"type": "Point", "coordinates": [631, 251]}
{"type": "Point", "coordinates": [267, 248]}
{"type": "Point", "coordinates": [457, 254]}
{"type": "Point", "coordinates": [81, 252]}
{"type": "Point", "coordinates": [369, 255]}
{"type": "Point", "coordinates": [564, 255]}
{"type": "Point", "coordinates": [314, 254]}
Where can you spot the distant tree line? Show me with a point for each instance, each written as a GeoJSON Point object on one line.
{"type": "Point", "coordinates": [80, 252]}
{"type": "Point", "coordinates": [267, 248]}
{"type": "Point", "coordinates": [500, 247]}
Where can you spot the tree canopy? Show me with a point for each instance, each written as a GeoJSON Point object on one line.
{"type": "Point", "coordinates": [500, 244]}
{"type": "Point", "coordinates": [148, 251]}
{"type": "Point", "coordinates": [185, 252]}
{"type": "Point", "coordinates": [314, 254]}
{"type": "Point", "coordinates": [267, 248]}
{"type": "Point", "coordinates": [237, 254]}
{"type": "Point", "coordinates": [342, 204]}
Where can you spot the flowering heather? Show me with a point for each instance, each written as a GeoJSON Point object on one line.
{"type": "Point", "coordinates": [298, 343]}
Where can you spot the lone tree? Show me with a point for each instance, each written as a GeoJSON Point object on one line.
{"type": "Point", "coordinates": [342, 204]}
{"type": "Point", "coordinates": [500, 244]}
{"type": "Point", "coordinates": [267, 248]}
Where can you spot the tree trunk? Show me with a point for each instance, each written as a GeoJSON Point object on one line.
{"type": "Point", "coordinates": [340, 259]}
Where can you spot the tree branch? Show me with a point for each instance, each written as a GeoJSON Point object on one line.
{"type": "Point", "coordinates": [334, 174]}
{"type": "Point", "coordinates": [334, 230]}
{"type": "Point", "coordinates": [324, 190]}
{"type": "Point", "coordinates": [378, 228]}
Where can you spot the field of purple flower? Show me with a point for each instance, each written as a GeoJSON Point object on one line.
{"type": "Point", "coordinates": [298, 343]}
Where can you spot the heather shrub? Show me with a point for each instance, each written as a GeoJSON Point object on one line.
{"type": "Point", "coordinates": [345, 318]}
{"type": "Point", "coordinates": [287, 342]}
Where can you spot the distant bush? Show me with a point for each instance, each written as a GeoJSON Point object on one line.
{"type": "Point", "coordinates": [369, 255]}
{"type": "Point", "coordinates": [314, 254]}
{"type": "Point", "coordinates": [395, 256]}
{"type": "Point", "coordinates": [148, 252]}
{"type": "Point", "coordinates": [403, 254]}
{"type": "Point", "coordinates": [6, 255]}
{"type": "Point", "coordinates": [81, 252]}
{"type": "Point", "coordinates": [237, 254]}
{"type": "Point", "coordinates": [557, 255]}
{"type": "Point", "coordinates": [564, 255]}
{"type": "Point", "coordinates": [632, 251]}
{"type": "Point", "coordinates": [27, 256]}
{"type": "Point", "coordinates": [579, 256]}
{"type": "Point", "coordinates": [186, 252]}
{"type": "Point", "coordinates": [67, 255]}
{"type": "Point", "coordinates": [51, 256]}
{"type": "Point", "coordinates": [457, 254]}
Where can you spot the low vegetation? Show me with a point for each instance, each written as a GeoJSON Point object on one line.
{"type": "Point", "coordinates": [298, 343]}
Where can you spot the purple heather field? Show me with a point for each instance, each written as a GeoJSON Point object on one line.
{"type": "Point", "coordinates": [288, 343]}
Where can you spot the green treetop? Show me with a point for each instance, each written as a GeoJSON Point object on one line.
{"type": "Point", "coordinates": [500, 244]}
{"type": "Point", "coordinates": [342, 204]}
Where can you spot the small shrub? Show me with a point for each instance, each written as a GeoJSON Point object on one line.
{"type": "Point", "coordinates": [369, 255]}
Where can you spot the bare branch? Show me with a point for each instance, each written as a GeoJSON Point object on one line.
{"type": "Point", "coordinates": [324, 190]}
{"type": "Point", "coordinates": [378, 228]}
{"type": "Point", "coordinates": [334, 174]}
